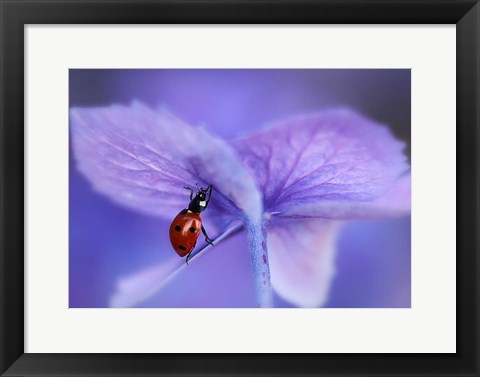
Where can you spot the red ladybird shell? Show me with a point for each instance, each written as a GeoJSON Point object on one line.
{"type": "Point", "coordinates": [184, 231]}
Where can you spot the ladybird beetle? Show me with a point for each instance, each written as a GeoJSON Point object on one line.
{"type": "Point", "coordinates": [186, 226]}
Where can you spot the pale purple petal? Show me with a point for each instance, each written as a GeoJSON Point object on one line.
{"type": "Point", "coordinates": [136, 288]}
{"type": "Point", "coordinates": [142, 158]}
{"type": "Point", "coordinates": [326, 157]}
{"type": "Point", "coordinates": [302, 259]}
{"type": "Point", "coordinates": [394, 203]}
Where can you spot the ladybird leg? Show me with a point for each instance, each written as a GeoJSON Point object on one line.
{"type": "Point", "coordinates": [209, 194]}
{"type": "Point", "coordinates": [207, 239]}
{"type": "Point", "coordinates": [191, 191]}
{"type": "Point", "coordinates": [189, 255]}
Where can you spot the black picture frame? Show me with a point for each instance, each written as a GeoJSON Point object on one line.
{"type": "Point", "coordinates": [17, 13]}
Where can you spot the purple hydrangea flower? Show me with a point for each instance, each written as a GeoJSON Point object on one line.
{"type": "Point", "coordinates": [289, 187]}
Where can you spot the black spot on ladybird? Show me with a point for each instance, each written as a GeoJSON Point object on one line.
{"type": "Point", "coordinates": [192, 229]}
{"type": "Point", "coordinates": [178, 228]}
{"type": "Point", "coordinates": [181, 247]}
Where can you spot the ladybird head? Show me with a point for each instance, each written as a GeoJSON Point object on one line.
{"type": "Point", "coordinates": [201, 194]}
{"type": "Point", "coordinates": [199, 202]}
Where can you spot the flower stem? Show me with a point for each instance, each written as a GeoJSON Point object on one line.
{"type": "Point", "coordinates": [257, 244]}
{"type": "Point", "coordinates": [134, 289]}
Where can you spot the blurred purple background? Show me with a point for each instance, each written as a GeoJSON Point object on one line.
{"type": "Point", "coordinates": [108, 242]}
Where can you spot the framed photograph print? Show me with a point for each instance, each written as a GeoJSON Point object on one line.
{"type": "Point", "coordinates": [239, 188]}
